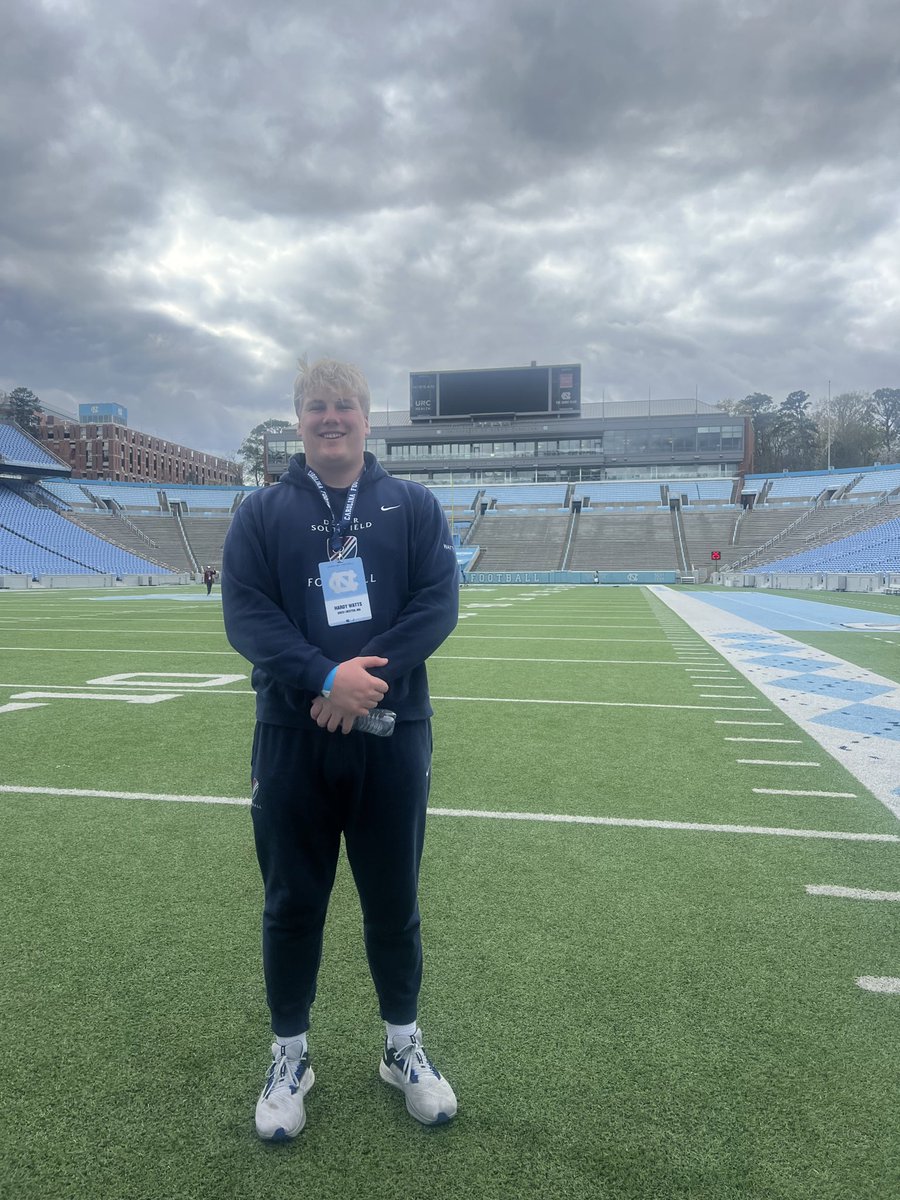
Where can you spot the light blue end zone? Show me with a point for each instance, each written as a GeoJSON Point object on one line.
{"type": "Point", "coordinates": [784, 613]}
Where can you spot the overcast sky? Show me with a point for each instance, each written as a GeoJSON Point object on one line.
{"type": "Point", "coordinates": [683, 195]}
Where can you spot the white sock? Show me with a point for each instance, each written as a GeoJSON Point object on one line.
{"type": "Point", "coordinates": [295, 1046]}
{"type": "Point", "coordinates": [398, 1035]}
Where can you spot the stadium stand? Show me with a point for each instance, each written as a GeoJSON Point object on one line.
{"type": "Point", "coordinates": [876, 549]}
{"type": "Point", "coordinates": [200, 499]}
{"type": "Point", "coordinates": [126, 495]}
{"type": "Point", "coordinates": [802, 486]}
{"type": "Point", "coordinates": [17, 448]}
{"type": "Point", "coordinates": [519, 495]}
{"type": "Point", "coordinates": [520, 542]}
{"type": "Point", "coordinates": [709, 530]}
{"type": "Point", "coordinates": [703, 489]}
{"type": "Point", "coordinates": [68, 493]}
{"type": "Point", "coordinates": [807, 487]}
{"type": "Point", "coordinates": [623, 542]}
{"type": "Point", "coordinates": [206, 538]}
{"type": "Point", "coordinates": [886, 479]}
{"type": "Point", "coordinates": [37, 541]}
{"type": "Point", "coordinates": [763, 535]}
{"type": "Point", "coordinates": [459, 497]}
{"type": "Point", "coordinates": [646, 492]}
{"type": "Point", "coordinates": [655, 492]}
{"type": "Point", "coordinates": [147, 497]}
{"type": "Point", "coordinates": [627, 524]}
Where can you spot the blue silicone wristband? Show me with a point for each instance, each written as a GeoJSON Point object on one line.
{"type": "Point", "coordinates": [329, 680]}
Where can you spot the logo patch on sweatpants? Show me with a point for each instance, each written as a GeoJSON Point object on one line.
{"type": "Point", "coordinates": [254, 791]}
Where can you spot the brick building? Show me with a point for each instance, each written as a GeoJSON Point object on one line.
{"type": "Point", "coordinates": [109, 449]}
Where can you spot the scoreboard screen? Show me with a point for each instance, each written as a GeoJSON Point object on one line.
{"type": "Point", "coordinates": [495, 392]}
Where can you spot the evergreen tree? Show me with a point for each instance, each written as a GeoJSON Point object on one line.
{"type": "Point", "coordinates": [252, 448]}
{"type": "Point", "coordinates": [760, 408]}
{"type": "Point", "coordinates": [795, 434]}
{"type": "Point", "coordinates": [886, 414]}
{"type": "Point", "coordinates": [23, 408]}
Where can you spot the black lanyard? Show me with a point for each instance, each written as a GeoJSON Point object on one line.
{"type": "Point", "coordinates": [339, 529]}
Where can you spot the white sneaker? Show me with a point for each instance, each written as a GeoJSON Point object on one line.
{"type": "Point", "coordinates": [429, 1097]}
{"type": "Point", "coordinates": [280, 1113]}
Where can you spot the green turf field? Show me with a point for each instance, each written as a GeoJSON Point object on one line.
{"type": "Point", "coordinates": [626, 1006]}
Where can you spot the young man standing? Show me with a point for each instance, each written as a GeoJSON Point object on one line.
{"type": "Point", "coordinates": [337, 584]}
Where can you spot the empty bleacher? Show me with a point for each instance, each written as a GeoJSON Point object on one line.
{"type": "Point", "coordinates": [624, 525]}
{"type": "Point", "coordinates": [113, 529]}
{"type": "Point", "coordinates": [39, 541]}
{"type": "Point", "coordinates": [875, 483]}
{"type": "Point", "coordinates": [460, 499]}
{"type": "Point", "coordinates": [622, 541]}
{"type": "Point", "coordinates": [709, 530]}
{"type": "Point", "coordinates": [206, 536]}
{"type": "Point", "coordinates": [204, 499]}
{"type": "Point", "coordinates": [646, 492]}
{"type": "Point", "coordinates": [803, 487]}
{"type": "Point", "coordinates": [68, 493]}
{"type": "Point", "coordinates": [798, 532]}
{"type": "Point", "coordinates": [17, 448]}
{"type": "Point", "coordinates": [654, 493]}
{"type": "Point", "coordinates": [526, 495]}
{"type": "Point", "coordinates": [875, 549]}
{"type": "Point", "coordinates": [162, 528]}
{"type": "Point", "coordinates": [516, 541]}
{"type": "Point", "coordinates": [141, 496]}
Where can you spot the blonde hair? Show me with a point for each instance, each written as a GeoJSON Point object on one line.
{"type": "Point", "coordinates": [328, 375]}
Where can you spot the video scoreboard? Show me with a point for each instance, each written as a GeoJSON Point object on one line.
{"type": "Point", "coordinates": [495, 392]}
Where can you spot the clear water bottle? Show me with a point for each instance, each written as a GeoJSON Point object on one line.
{"type": "Point", "coordinates": [380, 722]}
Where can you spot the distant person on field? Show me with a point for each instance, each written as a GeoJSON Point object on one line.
{"type": "Point", "coordinates": [209, 578]}
{"type": "Point", "coordinates": [337, 584]}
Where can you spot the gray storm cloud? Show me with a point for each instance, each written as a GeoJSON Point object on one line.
{"type": "Point", "coordinates": [696, 195]}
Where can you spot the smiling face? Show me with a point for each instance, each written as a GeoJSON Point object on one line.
{"type": "Point", "coordinates": [333, 427]}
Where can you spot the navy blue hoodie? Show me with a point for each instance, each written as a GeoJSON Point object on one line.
{"type": "Point", "coordinates": [272, 595]}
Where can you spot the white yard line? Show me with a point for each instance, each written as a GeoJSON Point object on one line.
{"type": "Point", "coordinates": [484, 814]}
{"type": "Point", "coordinates": [506, 658]}
{"type": "Point", "coordinates": [106, 650]}
{"type": "Point", "coordinates": [775, 762]}
{"type": "Point", "coordinates": [887, 984]}
{"type": "Point", "coordinates": [794, 792]}
{"type": "Point", "coordinates": [514, 637]}
{"type": "Point", "coordinates": [724, 722]}
{"type": "Point", "coordinates": [599, 703]}
{"type": "Point", "coordinates": [131, 631]}
{"type": "Point", "coordinates": [73, 690]}
{"type": "Point", "coordinates": [76, 691]}
{"type": "Point", "coordinates": [769, 741]}
{"type": "Point", "coordinates": [848, 893]}
{"type": "Point", "coordinates": [122, 697]}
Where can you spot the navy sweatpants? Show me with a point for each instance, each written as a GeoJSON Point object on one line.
{"type": "Point", "coordinates": [309, 787]}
